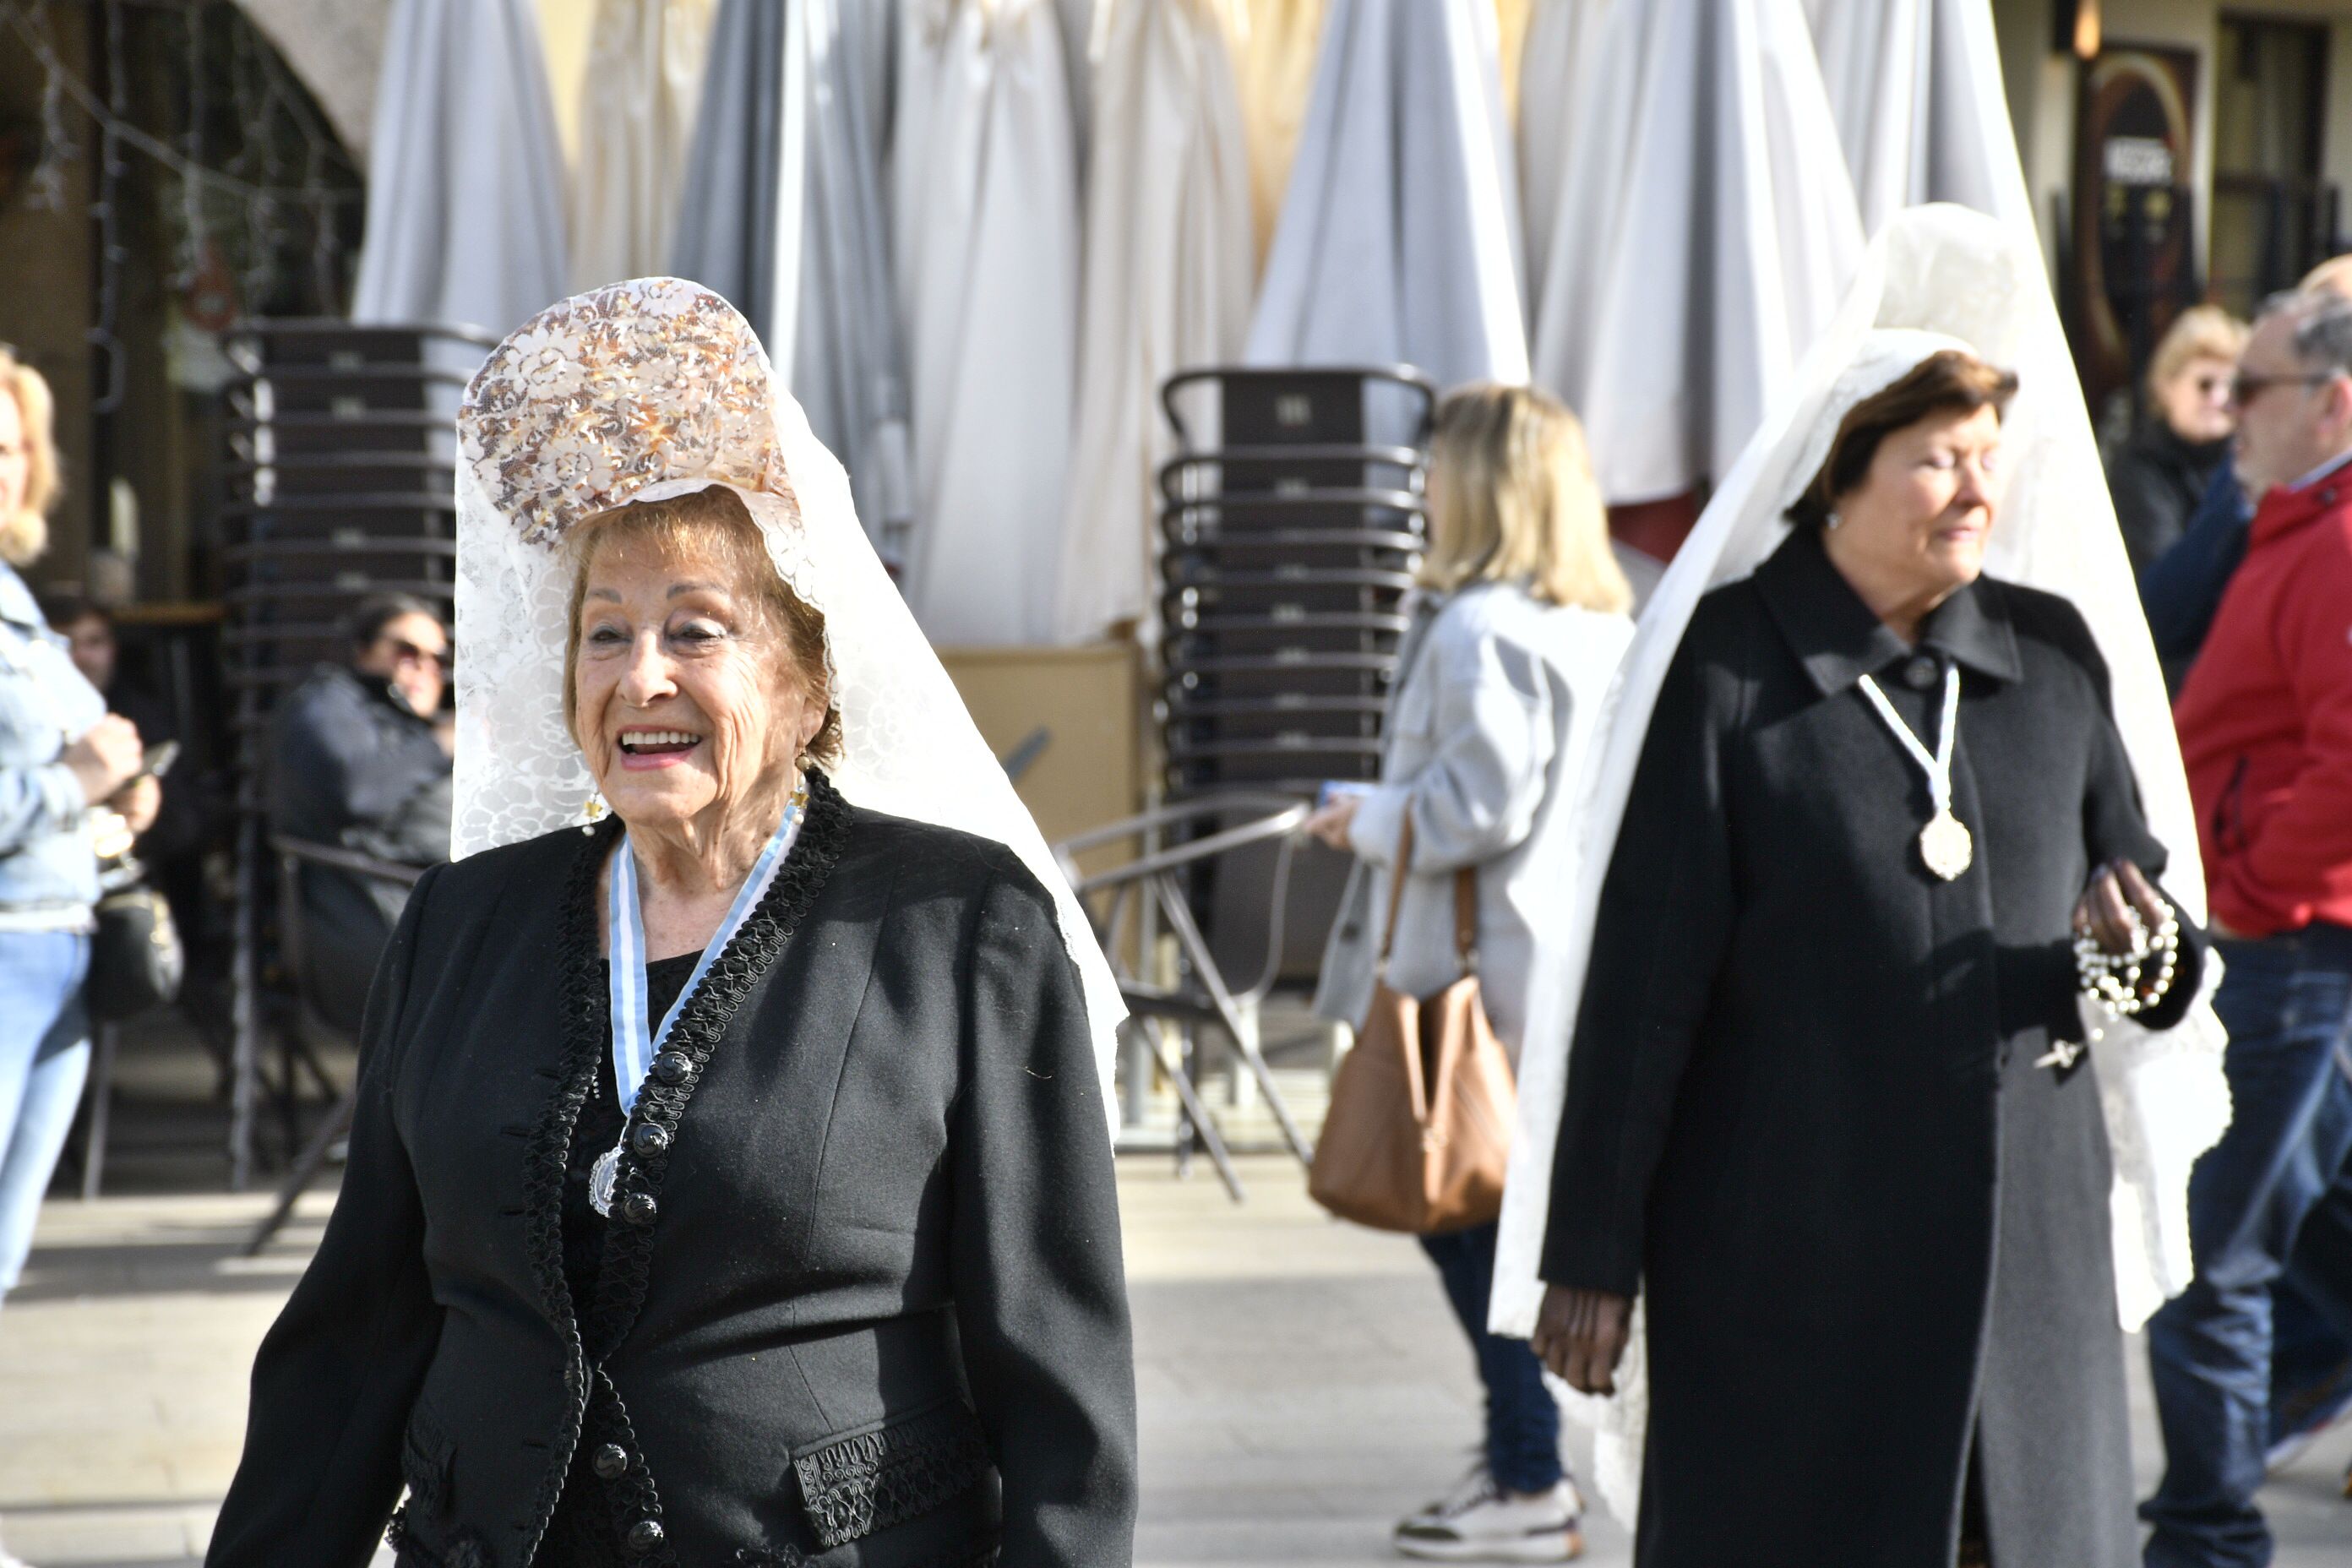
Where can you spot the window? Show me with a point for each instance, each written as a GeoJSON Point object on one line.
{"type": "Point", "coordinates": [2271, 219]}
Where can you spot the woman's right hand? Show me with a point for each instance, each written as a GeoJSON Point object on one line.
{"type": "Point", "coordinates": [107, 758]}
{"type": "Point", "coordinates": [1329, 823]}
{"type": "Point", "coordinates": [1580, 1335]}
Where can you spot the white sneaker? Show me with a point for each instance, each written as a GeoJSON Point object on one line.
{"type": "Point", "coordinates": [1482, 1523]}
{"type": "Point", "coordinates": [1475, 1485]}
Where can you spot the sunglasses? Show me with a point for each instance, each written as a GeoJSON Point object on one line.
{"type": "Point", "coordinates": [406, 652]}
{"type": "Point", "coordinates": [2245, 388]}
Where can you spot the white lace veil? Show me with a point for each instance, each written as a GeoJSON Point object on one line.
{"type": "Point", "coordinates": [1934, 276]}
{"type": "Point", "coordinates": [649, 389]}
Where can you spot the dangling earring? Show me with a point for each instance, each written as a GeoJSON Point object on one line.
{"type": "Point", "coordinates": [593, 810]}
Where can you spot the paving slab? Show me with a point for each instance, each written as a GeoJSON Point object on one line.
{"type": "Point", "coordinates": [1302, 1382]}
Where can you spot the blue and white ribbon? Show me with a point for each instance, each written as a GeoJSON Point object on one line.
{"type": "Point", "coordinates": [634, 1043]}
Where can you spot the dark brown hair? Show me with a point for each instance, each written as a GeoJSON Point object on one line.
{"type": "Point", "coordinates": [1947, 382]}
{"type": "Point", "coordinates": [712, 523]}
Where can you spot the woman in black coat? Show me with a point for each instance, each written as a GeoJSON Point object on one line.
{"type": "Point", "coordinates": [2160, 474]}
{"type": "Point", "coordinates": [1827, 1109]}
{"type": "Point", "coordinates": [823, 1271]}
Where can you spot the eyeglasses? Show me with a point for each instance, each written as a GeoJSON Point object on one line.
{"type": "Point", "coordinates": [2245, 388]}
{"type": "Point", "coordinates": [406, 652]}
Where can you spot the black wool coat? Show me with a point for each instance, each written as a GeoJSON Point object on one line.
{"type": "Point", "coordinates": [869, 1310]}
{"type": "Point", "coordinates": [1804, 1114]}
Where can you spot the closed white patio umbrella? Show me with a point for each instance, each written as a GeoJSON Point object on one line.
{"type": "Point", "coordinates": [465, 210]}
{"type": "Point", "coordinates": [637, 117]}
{"type": "Point", "coordinates": [1915, 88]}
{"type": "Point", "coordinates": [1399, 240]}
{"type": "Point", "coordinates": [1168, 269]}
{"type": "Point", "coordinates": [983, 189]}
{"type": "Point", "coordinates": [784, 214]}
{"type": "Point", "coordinates": [1552, 63]}
{"type": "Point", "coordinates": [1704, 235]}
{"type": "Point", "coordinates": [727, 220]}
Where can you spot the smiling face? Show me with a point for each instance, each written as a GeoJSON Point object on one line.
{"type": "Point", "coordinates": [1918, 520]}
{"type": "Point", "coordinates": [688, 700]}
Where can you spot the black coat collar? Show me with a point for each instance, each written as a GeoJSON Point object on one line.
{"type": "Point", "coordinates": [1839, 641]}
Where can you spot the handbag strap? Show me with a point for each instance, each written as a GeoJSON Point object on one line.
{"type": "Point", "coordinates": [1465, 906]}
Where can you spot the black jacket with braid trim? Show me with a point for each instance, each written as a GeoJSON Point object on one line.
{"type": "Point", "coordinates": [870, 1309]}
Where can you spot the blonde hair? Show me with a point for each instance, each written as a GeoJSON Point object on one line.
{"type": "Point", "coordinates": [2201, 332]}
{"type": "Point", "coordinates": [714, 524]}
{"type": "Point", "coordinates": [1511, 495]}
{"type": "Point", "coordinates": [25, 534]}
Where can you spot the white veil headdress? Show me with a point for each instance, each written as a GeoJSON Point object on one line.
{"type": "Point", "coordinates": [1936, 277]}
{"type": "Point", "coordinates": [649, 389]}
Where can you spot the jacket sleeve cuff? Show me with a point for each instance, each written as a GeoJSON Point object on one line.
{"type": "Point", "coordinates": [61, 792]}
{"type": "Point", "coordinates": [1579, 1257]}
{"type": "Point", "coordinates": [1379, 823]}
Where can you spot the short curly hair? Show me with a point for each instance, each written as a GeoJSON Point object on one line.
{"type": "Point", "coordinates": [1951, 381]}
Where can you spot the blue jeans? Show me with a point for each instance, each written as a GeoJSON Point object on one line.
{"type": "Point", "coordinates": [2311, 1323]}
{"type": "Point", "coordinates": [1522, 1421]}
{"type": "Point", "coordinates": [43, 1057]}
{"type": "Point", "coordinates": [2287, 1001]}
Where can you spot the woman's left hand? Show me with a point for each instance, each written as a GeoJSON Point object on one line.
{"type": "Point", "coordinates": [1329, 823]}
{"type": "Point", "coordinates": [2118, 890]}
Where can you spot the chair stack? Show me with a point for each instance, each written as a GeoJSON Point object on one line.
{"type": "Point", "coordinates": [1292, 520]}
{"type": "Point", "coordinates": [1287, 544]}
{"type": "Point", "coordinates": [340, 474]}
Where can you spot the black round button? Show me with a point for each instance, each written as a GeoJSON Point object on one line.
{"type": "Point", "coordinates": [639, 1209]}
{"type": "Point", "coordinates": [645, 1535]}
{"type": "Point", "coordinates": [671, 1068]}
{"type": "Point", "coordinates": [1921, 673]}
{"type": "Point", "coordinates": [647, 1138]}
{"type": "Point", "coordinates": [609, 1462]}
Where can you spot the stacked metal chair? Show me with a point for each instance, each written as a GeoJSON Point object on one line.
{"type": "Point", "coordinates": [1291, 521]}
{"type": "Point", "coordinates": [340, 479]}
{"type": "Point", "coordinates": [1289, 543]}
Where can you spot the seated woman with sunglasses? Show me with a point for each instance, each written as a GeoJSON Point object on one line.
{"type": "Point", "coordinates": [2158, 477]}
{"type": "Point", "coordinates": [362, 762]}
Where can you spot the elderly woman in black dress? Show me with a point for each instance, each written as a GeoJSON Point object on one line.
{"type": "Point", "coordinates": [1828, 1110]}
{"type": "Point", "coordinates": [730, 1182]}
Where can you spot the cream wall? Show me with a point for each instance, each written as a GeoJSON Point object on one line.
{"type": "Point", "coordinates": [2041, 87]}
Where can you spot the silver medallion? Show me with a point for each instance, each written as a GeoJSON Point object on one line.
{"type": "Point", "coordinates": [1946, 846]}
{"type": "Point", "coordinates": [603, 1177]}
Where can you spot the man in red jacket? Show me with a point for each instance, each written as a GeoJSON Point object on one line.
{"type": "Point", "coordinates": [2266, 725]}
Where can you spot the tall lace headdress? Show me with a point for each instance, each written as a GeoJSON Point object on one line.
{"type": "Point", "coordinates": [647, 390]}
{"type": "Point", "coordinates": [1936, 277]}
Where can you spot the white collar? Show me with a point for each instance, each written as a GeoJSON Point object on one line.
{"type": "Point", "coordinates": [2322, 471]}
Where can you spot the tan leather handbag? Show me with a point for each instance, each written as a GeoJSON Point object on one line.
{"type": "Point", "coordinates": [1418, 1135]}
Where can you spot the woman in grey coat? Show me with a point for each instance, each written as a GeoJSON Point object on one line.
{"type": "Point", "coordinates": [1517, 630]}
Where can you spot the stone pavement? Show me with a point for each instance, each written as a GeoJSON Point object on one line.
{"type": "Point", "coordinates": [1301, 1382]}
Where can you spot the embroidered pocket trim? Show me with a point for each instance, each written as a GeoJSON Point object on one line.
{"type": "Point", "coordinates": [855, 1486]}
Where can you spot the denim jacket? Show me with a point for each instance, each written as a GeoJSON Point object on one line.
{"type": "Point", "coordinates": [48, 875]}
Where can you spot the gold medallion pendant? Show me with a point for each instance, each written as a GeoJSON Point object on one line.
{"type": "Point", "coordinates": [1946, 846]}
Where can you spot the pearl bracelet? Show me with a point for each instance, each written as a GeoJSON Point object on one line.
{"type": "Point", "coordinates": [2113, 979]}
